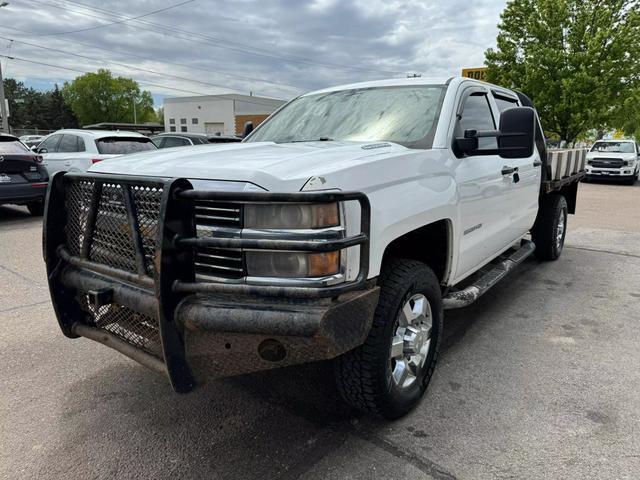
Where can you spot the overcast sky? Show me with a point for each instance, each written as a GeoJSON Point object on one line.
{"type": "Point", "coordinates": [276, 48]}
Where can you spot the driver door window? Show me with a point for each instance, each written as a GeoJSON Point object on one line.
{"type": "Point", "coordinates": [50, 144]}
{"type": "Point", "coordinates": [476, 115]}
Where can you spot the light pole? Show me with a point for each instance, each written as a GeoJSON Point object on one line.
{"type": "Point", "coordinates": [3, 106]}
{"type": "Point", "coordinates": [135, 117]}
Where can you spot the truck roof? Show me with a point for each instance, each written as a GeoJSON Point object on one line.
{"type": "Point", "coordinates": [399, 82]}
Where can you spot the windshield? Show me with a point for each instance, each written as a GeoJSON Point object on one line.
{"type": "Point", "coordinates": [123, 145]}
{"type": "Point", "coordinates": [404, 115]}
{"type": "Point", "coordinates": [11, 145]}
{"type": "Point", "coordinates": [613, 147]}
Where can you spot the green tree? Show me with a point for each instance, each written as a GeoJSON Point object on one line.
{"type": "Point", "coordinates": [579, 60]}
{"type": "Point", "coordinates": [160, 115]}
{"type": "Point", "coordinates": [101, 97]}
{"type": "Point", "coordinates": [30, 108]}
{"type": "Point", "coordinates": [59, 113]}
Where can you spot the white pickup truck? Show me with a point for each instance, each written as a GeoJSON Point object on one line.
{"type": "Point", "coordinates": [340, 228]}
{"type": "Point", "coordinates": [614, 159]}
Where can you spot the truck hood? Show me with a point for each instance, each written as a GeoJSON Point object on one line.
{"type": "Point", "coordinates": [284, 167]}
{"type": "Point", "coordinates": [623, 156]}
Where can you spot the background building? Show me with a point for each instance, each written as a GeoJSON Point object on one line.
{"type": "Point", "coordinates": [225, 114]}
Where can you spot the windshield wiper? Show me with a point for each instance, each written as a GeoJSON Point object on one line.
{"type": "Point", "coordinates": [321, 139]}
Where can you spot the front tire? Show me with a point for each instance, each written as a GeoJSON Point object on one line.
{"type": "Point", "coordinates": [36, 209]}
{"type": "Point", "coordinates": [550, 228]}
{"type": "Point", "coordinates": [389, 373]}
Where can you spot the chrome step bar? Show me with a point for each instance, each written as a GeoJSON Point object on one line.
{"type": "Point", "coordinates": [465, 297]}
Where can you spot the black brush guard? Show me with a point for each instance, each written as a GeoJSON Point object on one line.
{"type": "Point", "coordinates": [133, 304]}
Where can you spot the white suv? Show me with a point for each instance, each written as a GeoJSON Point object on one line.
{"type": "Point", "coordinates": [77, 150]}
{"type": "Point", "coordinates": [614, 159]}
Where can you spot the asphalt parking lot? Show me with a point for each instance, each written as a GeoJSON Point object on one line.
{"type": "Point", "coordinates": [539, 379]}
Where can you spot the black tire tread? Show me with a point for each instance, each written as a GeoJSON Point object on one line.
{"type": "Point", "coordinates": [357, 371]}
{"type": "Point", "coordinates": [543, 232]}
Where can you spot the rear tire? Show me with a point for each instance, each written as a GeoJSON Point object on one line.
{"type": "Point", "coordinates": [550, 228]}
{"type": "Point", "coordinates": [36, 208]}
{"type": "Point", "coordinates": [389, 373]}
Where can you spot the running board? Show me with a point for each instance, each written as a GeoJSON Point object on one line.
{"type": "Point", "coordinates": [479, 287]}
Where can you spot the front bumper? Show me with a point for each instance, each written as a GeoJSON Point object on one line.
{"type": "Point", "coordinates": [623, 172]}
{"type": "Point", "coordinates": [156, 312]}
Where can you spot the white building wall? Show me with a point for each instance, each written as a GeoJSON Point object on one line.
{"type": "Point", "coordinates": [203, 109]}
{"type": "Point", "coordinates": [214, 110]}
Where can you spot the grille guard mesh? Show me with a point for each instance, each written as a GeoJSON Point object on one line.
{"type": "Point", "coordinates": [140, 233]}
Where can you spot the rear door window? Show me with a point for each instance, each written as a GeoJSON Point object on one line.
{"type": "Point", "coordinates": [175, 142]}
{"type": "Point", "coordinates": [10, 145]}
{"type": "Point", "coordinates": [68, 144]}
{"type": "Point", "coordinates": [504, 103]}
{"type": "Point", "coordinates": [123, 145]}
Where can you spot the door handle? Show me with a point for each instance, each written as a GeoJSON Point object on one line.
{"type": "Point", "coordinates": [506, 170]}
{"type": "Point", "coordinates": [537, 163]}
{"type": "Point", "coordinates": [68, 162]}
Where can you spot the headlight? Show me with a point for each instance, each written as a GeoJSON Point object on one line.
{"type": "Point", "coordinates": [291, 216]}
{"type": "Point", "coordinates": [292, 264]}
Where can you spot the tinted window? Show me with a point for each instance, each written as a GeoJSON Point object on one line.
{"type": "Point", "coordinates": [158, 141]}
{"type": "Point", "coordinates": [503, 103]}
{"type": "Point", "coordinates": [10, 145]}
{"type": "Point", "coordinates": [50, 144]}
{"type": "Point", "coordinates": [175, 142]}
{"type": "Point", "coordinates": [123, 145]}
{"type": "Point", "coordinates": [81, 147]}
{"type": "Point", "coordinates": [69, 143]}
{"type": "Point", "coordinates": [405, 115]}
{"type": "Point", "coordinates": [476, 115]}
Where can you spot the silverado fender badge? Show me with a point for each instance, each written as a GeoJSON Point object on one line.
{"type": "Point", "coordinates": [472, 229]}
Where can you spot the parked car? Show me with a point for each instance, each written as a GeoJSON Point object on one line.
{"type": "Point", "coordinates": [77, 150]}
{"type": "Point", "coordinates": [169, 140]}
{"type": "Point", "coordinates": [23, 180]}
{"type": "Point", "coordinates": [31, 140]}
{"type": "Point", "coordinates": [616, 159]}
{"type": "Point", "coordinates": [340, 228]}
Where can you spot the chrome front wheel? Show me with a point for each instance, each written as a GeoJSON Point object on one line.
{"type": "Point", "coordinates": [411, 341]}
{"type": "Point", "coordinates": [562, 222]}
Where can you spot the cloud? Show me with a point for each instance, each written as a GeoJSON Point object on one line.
{"type": "Point", "coordinates": [277, 48]}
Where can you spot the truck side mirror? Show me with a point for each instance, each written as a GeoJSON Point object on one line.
{"type": "Point", "coordinates": [248, 128]}
{"type": "Point", "coordinates": [517, 132]}
{"type": "Point", "coordinates": [515, 136]}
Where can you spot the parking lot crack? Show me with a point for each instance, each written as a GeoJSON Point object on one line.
{"type": "Point", "coordinates": [597, 250]}
{"type": "Point", "coordinates": [423, 464]}
{"type": "Point", "coordinates": [20, 307]}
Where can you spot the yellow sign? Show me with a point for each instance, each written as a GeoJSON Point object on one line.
{"type": "Point", "coordinates": [479, 73]}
